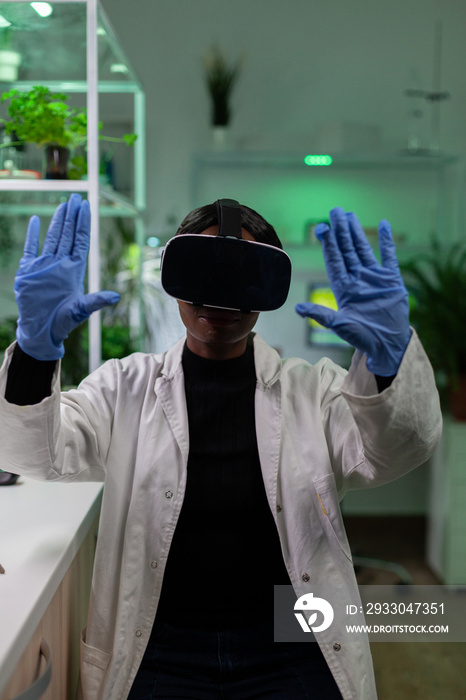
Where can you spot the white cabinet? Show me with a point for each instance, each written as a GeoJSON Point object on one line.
{"type": "Point", "coordinates": [47, 545]}
{"type": "Point", "coordinates": [446, 543]}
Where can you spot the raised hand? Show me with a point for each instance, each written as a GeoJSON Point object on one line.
{"type": "Point", "coordinates": [49, 287]}
{"type": "Point", "coordinates": [373, 312]}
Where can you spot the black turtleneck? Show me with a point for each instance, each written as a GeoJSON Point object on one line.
{"type": "Point", "coordinates": [225, 556]}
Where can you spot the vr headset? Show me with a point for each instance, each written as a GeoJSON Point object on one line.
{"type": "Point", "coordinates": [226, 271]}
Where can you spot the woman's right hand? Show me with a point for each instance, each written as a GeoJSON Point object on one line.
{"type": "Point", "coordinates": [49, 287]}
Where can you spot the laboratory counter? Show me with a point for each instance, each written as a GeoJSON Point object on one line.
{"type": "Point", "coordinates": [47, 544]}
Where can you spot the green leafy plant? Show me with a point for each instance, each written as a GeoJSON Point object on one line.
{"type": "Point", "coordinates": [116, 343]}
{"type": "Point", "coordinates": [221, 78]}
{"type": "Point", "coordinates": [7, 333]}
{"type": "Point", "coordinates": [6, 241]}
{"type": "Point", "coordinates": [43, 117]}
{"type": "Point", "coordinates": [438, 279]}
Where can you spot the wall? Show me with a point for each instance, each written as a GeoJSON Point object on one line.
{"type": "Point", "coordinates": [305, 63]}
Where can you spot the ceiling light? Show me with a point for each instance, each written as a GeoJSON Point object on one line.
{"type": "Point", "coordinates": [44, 9]}
{"type": "Point", "coordinates": [4, 22]}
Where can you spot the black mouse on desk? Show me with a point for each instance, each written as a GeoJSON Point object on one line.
{"type": "Point", "coordinates": [7, 478]}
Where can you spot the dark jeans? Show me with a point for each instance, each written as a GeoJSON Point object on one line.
{"type": "Point", "coordinates": [238, 664]}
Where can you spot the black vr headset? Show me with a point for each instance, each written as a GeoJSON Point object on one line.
{"type": "Point", "coordinates": [226, 271]}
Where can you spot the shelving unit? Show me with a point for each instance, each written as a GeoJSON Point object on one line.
{"type": "Point", "coordinates": [75, 50]}
{"type": "Point", "coordinates": [423, 191]}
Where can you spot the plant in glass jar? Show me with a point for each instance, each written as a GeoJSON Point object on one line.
{"type": "Point", "coordinates": [43, 117]}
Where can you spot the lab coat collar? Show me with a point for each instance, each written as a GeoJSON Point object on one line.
{"type": "Point", "coordinates": [267, 361]}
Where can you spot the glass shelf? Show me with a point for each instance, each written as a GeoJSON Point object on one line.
{"type": "Point", "coordinates": [42, 197]}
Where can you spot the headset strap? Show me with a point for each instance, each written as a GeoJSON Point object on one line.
{"type": "Point", "coordinates": [229, 218]}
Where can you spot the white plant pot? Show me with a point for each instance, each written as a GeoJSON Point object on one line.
{"type": "Point", "coordinates": [9, 64]}
{"type": "Point", "coordinates": [221, 138]}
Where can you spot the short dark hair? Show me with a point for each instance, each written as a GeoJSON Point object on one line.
{"type": "Point", "coordinates": [202, 218]}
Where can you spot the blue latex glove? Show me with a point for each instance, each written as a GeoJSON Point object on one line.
{"type": "Point", "coordinates": [373, 312]}
{"type": "Point", "coordinates": [50, 288]}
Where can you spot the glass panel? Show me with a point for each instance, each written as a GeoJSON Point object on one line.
{"type": "Point", "coordinates": [120, 271]}
{"type": "Point", "coordinates": [113, 63]}
{"type": "Point", "coordinates": [60, 36]}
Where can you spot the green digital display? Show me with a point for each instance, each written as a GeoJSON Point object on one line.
{"type": "Point", "coordinates": [318, 160]}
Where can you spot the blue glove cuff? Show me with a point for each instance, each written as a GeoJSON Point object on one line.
{"type": "Point", "coordinates": [388, 362]}
{"type": "Point", "coordinates": [39, 348]}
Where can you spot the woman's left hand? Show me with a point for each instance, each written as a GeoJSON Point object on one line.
{"type": "Point", "coordinates": [373, 310]}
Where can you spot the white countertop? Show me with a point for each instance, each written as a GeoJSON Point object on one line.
{"type": "Point", "coordinates": [42, 526]}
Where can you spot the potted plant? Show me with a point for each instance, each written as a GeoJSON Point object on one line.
{"type": "Point", "coordinates": [43, 117]}
{"type": "Point", "coordinates": [221, 78]}
{"type": "Point", "coordinates": [438, 280]}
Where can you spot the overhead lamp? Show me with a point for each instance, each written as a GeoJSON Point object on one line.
{"type": "Point", "coordinates": [44, 9]}
{"type": "Point", "coordinates": [118, 68]}
{"type": "Point", "coordinates": [4, 22]}
{"type": "Point", "coordinates": [318, 160]}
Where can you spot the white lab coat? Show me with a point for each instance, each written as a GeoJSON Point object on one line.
{"type": "Point", "coordinates": [320, 431]}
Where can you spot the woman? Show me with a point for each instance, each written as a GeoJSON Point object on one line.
{"type": "Point", "coordinates": [223, 467]}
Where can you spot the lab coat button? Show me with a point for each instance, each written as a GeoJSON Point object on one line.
{"type": "Point", "coordinates": [168, 494]}
{"type": "Point", "coordinates": [305, 577]}
{"type": "Point", "coordinates": [138, 633]}
{"type": "Point", "coordinates": [154, 564]}
{"type": "Point", "coordinates": [279, 508]}
{"type": "Point", "coordinates": [337, 646]}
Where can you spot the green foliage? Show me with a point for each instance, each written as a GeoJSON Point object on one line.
{"type": "Point", "coordinates": [77, 167]}
{"type": "Point", "coordinates": [6, 241]}
{"type": "Point", "coordinates": [41, 116]}
{"type": "Point", "coordinates": [116, 342]}
{"type": "Point", "coordinates": [129, 139]}
{"type": "Point", "coordinates": [221, 78]}
{"type": "Point", "coordinates": [439, 316]}
{"type": "Point", "coordinates": [7, 333]}
{"type": "Point", "coordinates": [6, 36]}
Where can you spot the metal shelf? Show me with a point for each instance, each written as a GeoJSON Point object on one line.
{"type": "Point", "coordinates": [86, 59]}
{"type": "Point", "coordinates": [19, 185]}
{"type": "Point", "coordinates": [111, 202]}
